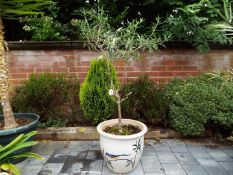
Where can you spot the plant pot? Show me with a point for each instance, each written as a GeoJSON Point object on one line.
{"type": "Point", "coordinates": [121, 153]}
{"type": "Point", "coordinates": [6, 136]}
{"type": "Point", "coordinates": [4, 173]}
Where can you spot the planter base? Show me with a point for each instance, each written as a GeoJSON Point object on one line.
{"type": "Point", "coordinates": [121, 153]}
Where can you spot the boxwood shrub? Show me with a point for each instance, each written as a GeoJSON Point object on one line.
{"type": "Point", "coordinates": [48, 96]}
{"type": "Point", "coordinates": [201, 102]}
{"type": "Point", "coordinates": [145, 103]}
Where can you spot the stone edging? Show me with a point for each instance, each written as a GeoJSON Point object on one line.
{"type": "Point", "coordinates": [90, 133]}
{"type": "Point", "coordinates": [61, 45]}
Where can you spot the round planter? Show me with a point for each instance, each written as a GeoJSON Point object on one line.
{"type": "Point", "coordinates": [121, 153]}
{"type": "Point", "coordinates": [6, 136]}
{"type": "Point", "coordinates": [4, 173]}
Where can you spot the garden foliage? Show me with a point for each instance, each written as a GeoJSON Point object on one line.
{"type": "Point", "coordinates": [200, 102]}
{"type": "Point", "coordinates": [192, 23]}
{"type": "Point", "coordinates": [95, 101]}
{"type": "Point", "coordinates": [11, 151]}
{"type": "Point", "coordinates": [199, 23]}
{"type": "Point", "coordinates": [46, 95]}
{"type": "Point", "coordinates": [145, 102]}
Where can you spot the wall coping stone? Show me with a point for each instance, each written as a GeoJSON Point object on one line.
{"type": "Point", "coordinates": [63, 45]}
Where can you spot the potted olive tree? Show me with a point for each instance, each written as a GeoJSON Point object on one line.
{"type": "Point", "coordinates": [121, 140]}
{"type": "Point", "coordinates": [11, 125]}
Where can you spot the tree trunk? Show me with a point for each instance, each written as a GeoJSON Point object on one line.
{"type": "Point", "coordinates": [119, 114]}
{"type": "Point", "coordinates": [9, 120]}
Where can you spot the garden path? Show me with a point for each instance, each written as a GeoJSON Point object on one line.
{"type": "Point", "coordinates": [167, 157]}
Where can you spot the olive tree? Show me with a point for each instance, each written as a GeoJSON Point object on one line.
{"type": "Point", "coordinates": [124, 42]}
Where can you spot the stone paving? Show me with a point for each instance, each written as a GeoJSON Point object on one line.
{"type": "Point", "coordinates": [168, 157]}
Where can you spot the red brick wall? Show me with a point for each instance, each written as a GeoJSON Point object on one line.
{"type": "Point", "coordinates": [161, 66]}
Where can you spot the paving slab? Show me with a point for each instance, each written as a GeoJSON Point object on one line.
{"type": "Point", "coordinates": [228, 166]}
{"type": "Point", "coordinates": [31, 169]}
{"type": "Point", "coordinates": [194, 170]}
{"type": "Point", "coordinates": [154, 173]}
{"type": "Point", "coordinates": [167, 157]}
{"type": "Point", "coordinates": [148, 151]}
{"type": "Point", "coordinates": [186, 158]}
{"type": "Point", "coordinates": [179, 149]}
{"type": "Point", "coordinates": [151, 164]}
{"type": "Point", "coordinates": [219, 155]}
{"type": "Point", "coordinates": [51, 169]}
{"type": "Point", "coordinates": [212, 167]}
{"type": "Point", "coordinates": [173, 169]}
{"type": "Point", "coordinates": [91, 173]}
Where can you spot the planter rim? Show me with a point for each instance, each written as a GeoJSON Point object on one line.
{"type": "Point", "coordinates": [15, 130]}
{"type": "Point", "coordinates": [120, 137]}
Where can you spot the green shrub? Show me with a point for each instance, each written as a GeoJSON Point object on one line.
{"type": "Point", "coordinates": [199, 101]}
{"type": "Point", "coordinates": [145, 102]}
{"type": "Point", "coordinates": [44, 94]}
{"type": "Point", "coordinates": [60, 122]}
{"type": "Point", "coordinates": [95, 101]}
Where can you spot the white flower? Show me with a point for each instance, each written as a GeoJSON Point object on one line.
{"type": "Point", "coordinates": [111, 92]}
{"type": "Point", "coordinates": [175, 10]}
{"type": "Point", "coordinates": [26, 28]}
{"type": "Point", "coordinates": [189, 33]}
{"type": "Point", "coordinates": [205, 5]}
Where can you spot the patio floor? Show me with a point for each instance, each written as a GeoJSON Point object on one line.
{"type": "Point", "coordinates": [166, 157]}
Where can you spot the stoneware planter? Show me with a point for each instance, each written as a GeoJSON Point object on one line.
{"type": "Point", "coordinates": [4, 173]}
{"type": "Point", "coordinates": [6, 136]}
{"type": "Point", "coordinates": [121, 153]}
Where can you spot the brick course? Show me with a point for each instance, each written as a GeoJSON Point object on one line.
{"type": "Point", "coordinates": [160, 66]}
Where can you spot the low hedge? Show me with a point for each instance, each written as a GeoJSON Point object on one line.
{"type": "Point", "coordinates": [201, 102]}
{"type": "Point", "coordinates": [50, 97]}
{"type": "Point", "coordinates": [145, 103]}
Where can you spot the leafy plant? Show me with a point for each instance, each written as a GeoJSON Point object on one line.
{"type": "Point", "coordinates": [95, 101]}
{"type": "Point", "coordinates": [44, 94]}
{"type": "Point", "coordinates": [44, 28]}
{"type": "Point", "coordinates": [145, 103]}
{"type": "Point", "coordinates": [124, 42]}
{"type": "Point", "coordinates": [191, 24]}
{"type": "Point", "coordinates": [200, 102]}
{"type": "Point", "coordinates": [114, 43]}
{"type": "Point", "coordinates": [225, 26]}
{"type": "Point", "coordinates": [9, 152]}
{"type": "Point", "coordinates": [51, 122]}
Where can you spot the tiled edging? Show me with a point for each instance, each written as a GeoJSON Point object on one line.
{"type": "Point", "coordinates": [90, 133]}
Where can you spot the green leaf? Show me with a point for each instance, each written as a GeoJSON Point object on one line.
{"type": "Point", "coordinates": [24, 155]}
{"type": "Point", "coordinates": [9, 167]}
{"type": "Point", "coordinates": [17, 147]}
{"type": "Point", "coordinates": [14, 142]}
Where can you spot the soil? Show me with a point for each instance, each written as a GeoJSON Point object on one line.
{"type": "Point", "coordinates": [126, 130]}
{"type": "Point", "coordinates": [21, 122]}
{"type": "Point", "coordinates": [209, 142]}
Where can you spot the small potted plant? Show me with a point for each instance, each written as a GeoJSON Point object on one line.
{"type": "Point", "coordinates": [121, 140]}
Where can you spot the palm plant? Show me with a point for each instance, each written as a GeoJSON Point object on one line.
{"type": "Point", "coordinates": [12, 10]}
{"type": "Point", "coordinates": [8, 152]}
{"type": "Point", "coordinates": [225, 26]}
